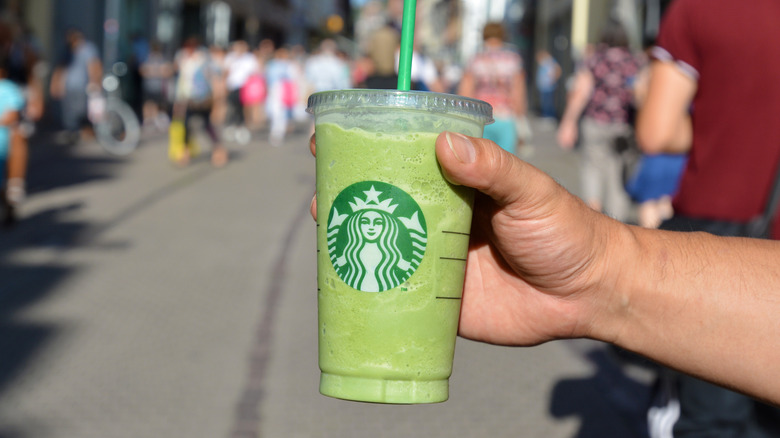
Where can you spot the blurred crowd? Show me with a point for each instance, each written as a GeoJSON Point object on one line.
{"type": "Point", "coordinates": [241, 91]}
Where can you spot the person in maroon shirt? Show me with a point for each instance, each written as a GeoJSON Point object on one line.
{"type": "Point", "coordinates": [722, 60]}
{"type": "Point", "coordinates": [715, 92]}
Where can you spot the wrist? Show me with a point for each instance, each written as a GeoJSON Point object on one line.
{"type": "Point", "coordinates": [568, 122]}
{"type": "Point", "coordinates": [617, 282]}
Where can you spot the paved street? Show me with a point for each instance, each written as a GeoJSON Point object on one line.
{"type": "Point", "coordinates": [142, 300]}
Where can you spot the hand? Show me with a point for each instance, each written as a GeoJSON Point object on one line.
{"type": "Point", "coordinates": [313, 149]}
{"type": "Point", "coordinates": [94, 88]}
{"type": "Point", "coordinates": [536, 255]}
{"type": "Point", "coordinates": [567, 134]}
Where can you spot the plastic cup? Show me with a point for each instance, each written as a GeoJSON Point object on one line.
{"type": "Point", "coordinates": [392, 239]}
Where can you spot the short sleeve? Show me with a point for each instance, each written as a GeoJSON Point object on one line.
{"type": "Point", "coordinates": [677, 38]}
{"type": "Point", "coordinates": [17, 100]}
{"type": "Point", "coordinates": [11, 97]}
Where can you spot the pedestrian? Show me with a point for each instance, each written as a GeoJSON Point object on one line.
{"type": "Point", "coordinates": [713, 93]}
{"type": "Point", "coordinates": [496, 76]}
{"type": "Point", "coordinates": [602, 95]}
{"type": "Point", "coordinates": [282, 79]}
{"type": "Point", "coordinates": [11, 106]}
{"type": "Point", "coordinates": [242, 66]}
{"type": "Point", "coordinates": [194, 99]}
{"type": "Point", "coordinates": [298, 58]}
{"type": "Point", "coordinates": [325, 70]}
{"type": "Point", "coordinates": [78, 73]}
{"type": "Point", "coordinates": [424, 75]}
{"type": "Point", "coordinates": [548, 71]}
{"type": "Point", "coordinates": [542, 265]}
{"type": "Point", "coordinates": [218, 77]}
{"type": "Point", "coordinates": [25, 70]}
{"type": "Point", "coordinates": [257, 96]}
{"type": "Point", "coordinates": [139, 53]}
{"type": "Point", "coordinates": [381, 52]}
{"type": "Point", "coordinates": [156, 72]}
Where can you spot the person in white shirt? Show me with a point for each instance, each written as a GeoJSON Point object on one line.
{"type": "Point", "coordinates": [241, 64]}
{"type": "Point", "coordinates": [325, 70]}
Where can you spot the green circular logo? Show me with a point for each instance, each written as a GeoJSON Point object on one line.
{"type": "Point", "coordinates": [376, 236]}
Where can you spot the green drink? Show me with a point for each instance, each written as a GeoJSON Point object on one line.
{"type": "Point", "coordinates": [392, 239]}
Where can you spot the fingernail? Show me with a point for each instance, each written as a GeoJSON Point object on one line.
{"type": "Point", "coordinates": [462, 147]}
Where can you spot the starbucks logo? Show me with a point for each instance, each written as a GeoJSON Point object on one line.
{"type": "Point", "coordinates": [376, 236]}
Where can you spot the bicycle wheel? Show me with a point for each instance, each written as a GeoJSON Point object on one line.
{"type": "Point", "coordinates": [119, 131]}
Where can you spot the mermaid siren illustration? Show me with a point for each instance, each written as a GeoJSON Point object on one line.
{"type": "Point", "coordinates": [377, 246]}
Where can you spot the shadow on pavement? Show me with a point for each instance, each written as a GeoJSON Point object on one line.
{"type": "Point", "coordinates": [608, 404]}
{"type": "Point", "coordinates": [20, 340]}
{"type": "Point", "coordinates": [25, 284]}
{"type": "Point", "coordinates": [53, 165]}
{"type": "Point", "coordinates": [32, 261]}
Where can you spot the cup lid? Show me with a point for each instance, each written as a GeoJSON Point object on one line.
{"type": "Point", "coordinates": [419, 100]}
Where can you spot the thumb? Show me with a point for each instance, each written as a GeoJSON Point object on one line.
{"type": "Point", "coordinates": [483, 165]}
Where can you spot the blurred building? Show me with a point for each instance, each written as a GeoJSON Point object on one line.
{"type": "Point", "coordinates": [109, 22]}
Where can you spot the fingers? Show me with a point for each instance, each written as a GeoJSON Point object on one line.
{"type": "Point", "coordinates": [481, 164]}
{"type": "Point", "coordinates": [313, 149]}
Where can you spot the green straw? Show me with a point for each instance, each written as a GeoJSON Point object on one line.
{"type": "Point", "coordinates": [407, 46]}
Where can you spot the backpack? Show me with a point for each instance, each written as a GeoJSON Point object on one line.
{"type": "Point", "coordinates": [289, 91]}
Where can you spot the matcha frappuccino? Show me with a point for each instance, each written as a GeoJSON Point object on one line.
{"type": "Point", "coordinates": [392, 239]}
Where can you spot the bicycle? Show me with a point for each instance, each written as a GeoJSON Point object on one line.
{"type": "Point", "coordinates": [116, 125]}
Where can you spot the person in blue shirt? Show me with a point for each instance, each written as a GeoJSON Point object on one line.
{"type": "Point", "coordinates": [79, 71]}
{"type": "Point", "coordinates": [547, 74]}
{"type": "Point", "coordinates": [11, 103]}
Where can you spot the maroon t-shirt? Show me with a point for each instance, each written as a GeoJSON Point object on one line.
{"type": "Point", "coordinates": [732, 49]}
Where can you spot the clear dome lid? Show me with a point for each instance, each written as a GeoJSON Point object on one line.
{"type": "Point", "coordinates": [340, 100]}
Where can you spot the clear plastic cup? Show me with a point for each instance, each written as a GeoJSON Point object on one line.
{"type": "Point", "coordinates": [392, 239]}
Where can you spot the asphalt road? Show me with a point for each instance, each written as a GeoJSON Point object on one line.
{"type": "Point", "coordinates": [142, 300]}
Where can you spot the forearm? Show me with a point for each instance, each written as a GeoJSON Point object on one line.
{"type": "Point", "coordinates": [574, 107]}
{"type": "Point", "coordinates": [701, 304]}
{"type": "Point", "coordinates": [578, 99]}
{"type": "Point", "coordinates": [654, 138]}
{"type": "Point", "coordinates": [9, 118]}
{"type": "Point", "coordinates": [57, 86]}
{"type": "Point", "coordinates": [682, 138]}
{"type": "Point", "coordinates": [518, 95]}
{"type": "Point", "coordinates": [664, 123]}
{"type": "Point", "coordinates": [466, 87]}
{"type": "Point", "coordinates": [95, 71]}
